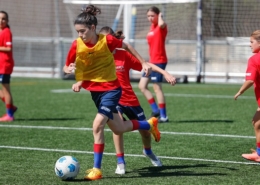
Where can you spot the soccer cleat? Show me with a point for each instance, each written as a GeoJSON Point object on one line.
{"type": "Point", "coordinates": [155, 114]}
{"type": "Point", "coordinates": [120, 170]}
{"type": "Point", "coordinates": [93, 174]}
{"type": "Point", "coordinates": [154, 159]}
{"type": "Point", "coordinates": [6, 118]}
{"type": "Point", "coordinates": [252, 157]}
{"type": "Point", "coordinates": [154, 129]}
{"type": "Point", "coordinates": [163, 120]}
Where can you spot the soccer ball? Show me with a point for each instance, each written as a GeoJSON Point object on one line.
{"type": "Point", "coordinates": [67, 167]}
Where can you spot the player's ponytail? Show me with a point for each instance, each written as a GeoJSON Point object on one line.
{"type": "Point", "coordinates": [88, 16]}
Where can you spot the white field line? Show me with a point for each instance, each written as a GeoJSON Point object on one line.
{"type": "Point", "coordinates": [131, 155]}
{"type": "Point", "coordinates": [108, 130]}
{"type": "Point", "coordinates": [167, 94]}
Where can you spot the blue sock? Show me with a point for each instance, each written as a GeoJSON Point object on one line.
{"type": "Point", "coordinates": [97, 159]}
{"type": "Point", "coordinates": [153, 105]}
{"type": "Point", "coordinates": [148, 151]}
{"type": "Point", "coordinates": [10, 112]}
{"type": "Point", "coordinates": [144, 125]}
{"type": "Point", "coordinates": [120, 158]}
{"type": "Point", "coordinates": [163, 112]}
{"type": "Point", "coordinates": [258, 151]}
{"type": "Point", "coordinates": [98, 154]}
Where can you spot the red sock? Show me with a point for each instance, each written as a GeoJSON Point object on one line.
{"type": "Point", "coordinates": [3, 99]}
{"type": "Point", "coordinates": [136, 124]}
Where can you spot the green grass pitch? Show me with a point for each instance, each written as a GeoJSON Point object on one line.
{"type": "Point", "coordinates": [202, 144]}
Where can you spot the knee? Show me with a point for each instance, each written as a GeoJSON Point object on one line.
{"type": "Point", "coordinates": [118, 131]}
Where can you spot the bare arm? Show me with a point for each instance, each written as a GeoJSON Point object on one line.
{"type": "Point", "coordinates": [168, 77]}
{"type": "Point", "coordinates": [161, 22]}
{"type": "Point", "coordinates": [147, 69]}
{"type": "Point", "coordinates": [247, 84]}
{"type": "Point", "coordinates": [6, 49]}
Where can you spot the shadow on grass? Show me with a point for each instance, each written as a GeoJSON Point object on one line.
{"type": "Point", "coordinates": [168, 171]}
{"type": "Point", "coordinates": [46, 119]}
{"type": "Point", "coordinates": [204, 121]}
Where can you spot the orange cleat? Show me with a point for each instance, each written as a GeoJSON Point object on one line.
{"type": "Point", "coordinates": [93, 174]}
{"type": "Point", "coordinates": [154, 129]}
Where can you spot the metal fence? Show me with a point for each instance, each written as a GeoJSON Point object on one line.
{"type": "Point", "coordinates": [224, 60]}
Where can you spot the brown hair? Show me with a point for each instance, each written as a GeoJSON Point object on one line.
{"type": "Point", "coordinates": [88, 16]}
{"type": "Point", "coordinates": [154, 9]}
{"type": "Point", "coordinates": [256, 35]}
{"type": "Point", "coordinates": [117, 34]}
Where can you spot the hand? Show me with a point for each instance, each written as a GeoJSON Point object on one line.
{"type": "Point", "coordinates": [70, 69]}
{"type": "Point", "coordinates": [147, 69]}
{"type": "Point", "coordinates": [170, 79]}
{"type": "Point", "coordinates": [77, 86]}
{"type": "Point", "coordinates": [236, 96]}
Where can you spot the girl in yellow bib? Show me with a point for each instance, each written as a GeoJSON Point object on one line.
{"type": "Point", "coordinates": [92, 59]}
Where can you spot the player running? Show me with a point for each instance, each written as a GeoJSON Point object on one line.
{"type": "Point", "coordinates": [128, 103]}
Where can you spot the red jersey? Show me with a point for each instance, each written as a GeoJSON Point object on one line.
{"type": "Point", "coordinates": [253, 73]}
{"type": "Point", "coordinates": [124, 62]}
{"type": "Point", "coordinates": [112, 44]}
{"type": "Point", "coordinates": [156, 41]}
{"type": "Point", "coordinates": [6, 58]}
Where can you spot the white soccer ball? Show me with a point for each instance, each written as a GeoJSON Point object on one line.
{"type": "Point", "coordinates": [67, 167]}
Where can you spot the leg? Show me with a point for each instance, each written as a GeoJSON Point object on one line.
{"type": "Point", "coordinates": [157, 86]}
{"type": "Point", "coordinates": [255, 155]}
{"type": "Point", "coordinates": [143, 86]}
{"type": "Point", "coordinates": [7, 98]}
{"type": "Point", "coordinates": [98, 133]}
{"type": "Point", "coordinates": [119, 146]}
{"type": "Point", "coordinates": [147, 151]}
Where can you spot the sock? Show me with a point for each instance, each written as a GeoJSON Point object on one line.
{"type": "Point", "coordinates": [12, 106]}
{"type": "Point", "coordinates": [9, 110]}
{"type": "Point", "coordinates": [98, 154]}
{"type": "Point", "coordinates": [140, 125]}
{"type": "Point", "coordinates": [258, 148]}
{"type": "Point", "coordinates": [148, 151]}
{"type": "Point", "coordinates": [153, 105]}
{"type": "Point", "coordinates": [162, 110]}
{"type": "Point", "coordinates": [120, 158]}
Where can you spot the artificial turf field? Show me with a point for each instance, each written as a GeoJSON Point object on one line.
{"type": "Point", "coordinates": [202, 144]}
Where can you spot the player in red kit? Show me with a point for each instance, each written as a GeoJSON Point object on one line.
{"type": "Point", "coordinates": [253, 78]}
{"type": "Point", "coordinates": [6, 67]}
{"type": "Point", "coordinates": [129, 104]}
{"type": "Point", "coordinates": [156, 41]}
{"type": "Point", "coordinates": [91, 57]}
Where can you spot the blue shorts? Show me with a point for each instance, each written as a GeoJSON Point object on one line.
{"type": "Point", "coordinates": [5, 79]}
{"type": "Point", "coordinates": [107, 101]}
{"type": "Point", "coordinates": [155, 76]}
{"type": "Point", "coordinates": [133, 113]}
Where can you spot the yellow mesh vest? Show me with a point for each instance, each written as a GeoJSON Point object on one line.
{"type": "Point", "coordinates": [95, 64]}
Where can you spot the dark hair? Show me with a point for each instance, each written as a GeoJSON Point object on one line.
{"type": "Point", "coordinates": [154, 9]}
{"type": "Point", "coordinates": [107, 29]}
{"type": "Point", "coordinates": [88, 16]}
{"type": "Point", "coordinates": [7, 17]}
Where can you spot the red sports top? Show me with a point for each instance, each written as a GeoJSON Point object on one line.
{"type": "Point", "coordinates": [124, 62]}
{"type": "Point", "coordinates": [253, 73]}
{"type": "Point", "coordinates": [6, 58]}
{"type": "Point", "coordinates": [112, 44]}
{"type": "Point", "coordinates": [156, 41]}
